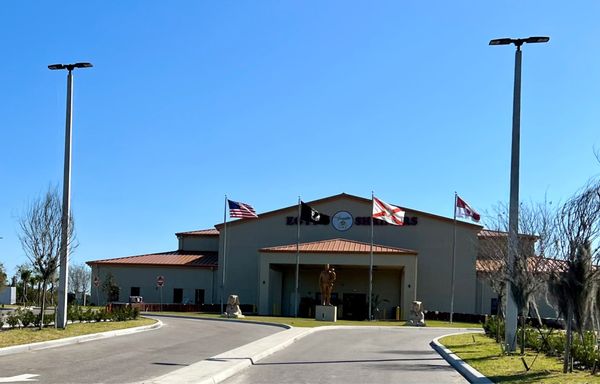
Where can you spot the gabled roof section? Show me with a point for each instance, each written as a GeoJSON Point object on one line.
{"type": "Point", "coordinates": [179, 258]}
{"type": "Point", "coordinates": [201, 232]}
{"type": "Point", "coordinates": [535, 264]}
{"type": "Point", "coordinates": [338, 246]}
{"type": "Point", "coordinates": [294, 208]}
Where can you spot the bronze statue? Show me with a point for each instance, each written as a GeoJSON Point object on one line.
{"type": "Point", "coordinates": [326, 280]}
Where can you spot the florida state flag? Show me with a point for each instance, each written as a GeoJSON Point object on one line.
{"type": "Point", "coordinates": [387, 212]}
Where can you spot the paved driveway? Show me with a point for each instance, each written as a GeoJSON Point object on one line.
{"type": "Point", "coordinates": [365, 355]}
{"type": "Point", "coordinates": [133, 358]}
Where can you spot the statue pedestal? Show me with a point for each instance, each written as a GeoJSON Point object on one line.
{"type": "Point", "coordinates": [326, 313]}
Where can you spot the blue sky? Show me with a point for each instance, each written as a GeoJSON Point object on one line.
{"type": "Point", "coordinates": [268, 100]}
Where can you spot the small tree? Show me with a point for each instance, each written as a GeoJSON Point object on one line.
{"type": "Point", "coordinates": [528, 273]}
{"type": "Point", "coordinates": [79, 280]}
{"type": "Point", "coordinates": [24, 273]}
{"type": "Point", "coordinates": [111, 288]}
{"type": "Point", "coordinates": [41, 237]}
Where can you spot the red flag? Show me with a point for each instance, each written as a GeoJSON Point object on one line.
{"type": "Point", "coordinates": [464, 210]}
{"type": "Point", "coordinates": [387, 212]}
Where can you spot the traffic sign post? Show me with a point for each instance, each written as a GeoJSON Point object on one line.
{"type": "Point", "coordinates": [97, 284]}
{"type": "Point", "coordinates": [160, 281]}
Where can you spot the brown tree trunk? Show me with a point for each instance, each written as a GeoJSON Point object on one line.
{"type": "Point", "coordinates": [522, 335]}
{"type": "Point", "coordinates": [43, 306]}
{"type": "Point", "coordinates": [568, 343]}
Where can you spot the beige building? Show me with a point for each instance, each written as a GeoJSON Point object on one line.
{"type": "Point", "coordinates": [411, 262]}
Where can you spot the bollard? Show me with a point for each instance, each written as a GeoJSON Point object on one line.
{"type": "Point", "coordinates": [398, 313]}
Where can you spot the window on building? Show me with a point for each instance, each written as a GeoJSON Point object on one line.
{"type": "Point", "coordinates": [135, 291]}
{"type": "Point", "coordinates": [199, 297]}
{"type": "Point", "coordinates": [177, 295]}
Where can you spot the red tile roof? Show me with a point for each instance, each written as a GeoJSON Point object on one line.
{"type": "Point", "coordinates": [535, 264]}
{"type": "Point", "coordinates": [493, 233]}
{"type": "Point", "coordinates": [339, 246]}
{"type": "Point", "coordinates": [201, 232]}
{"type": "Point", "coordinates": [174, 258]}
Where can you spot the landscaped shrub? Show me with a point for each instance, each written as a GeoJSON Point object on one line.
{"type": "Point", "coordinates": [27, 318]}
{"type": "Point", "coordinates": [101, 315]}
{"type": "Point", "coordinates": [585, 352]}
{"type": "Point", "coordinates": [48, 318]}
{"type": "Point", "coordinates": [492, 326]}
{"type": "Point", "coordinates": [71, 313]}
{"type": "Point", "coordinates": [1, 321]}
{"type": "Point", "coordinates": [555, 344]}
{"type": "Point", "coordinates": [13, 319]}
{"type": "Point", "coordinates": [81, 316]}
{"type": "Point", "coordinates": [124, 313]}
{"type": "Point", "coordinates": [88, 315]}
{"type": "Point", "coordinates": [119, 314]}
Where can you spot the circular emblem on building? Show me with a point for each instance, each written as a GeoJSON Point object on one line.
{"type": "Point", "coordinates": [342, 221]}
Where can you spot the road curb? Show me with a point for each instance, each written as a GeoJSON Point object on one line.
{"type": "Point", "coordinates": [76, 339]}
{"type": "Point", "coordinates": [468, 372]}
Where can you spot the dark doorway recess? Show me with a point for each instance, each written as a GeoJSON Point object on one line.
{"type": "Point", "coordinates": [355, 306]}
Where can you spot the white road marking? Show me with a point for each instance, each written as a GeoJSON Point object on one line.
{"type": "Point", "coordinates": [19, 378]}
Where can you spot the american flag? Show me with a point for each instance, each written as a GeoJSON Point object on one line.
{"type": "Point", "coordinates": [242, 210]}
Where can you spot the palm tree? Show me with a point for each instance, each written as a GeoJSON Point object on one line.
{"type": "Point", "coordinates": [574, 287]}
{"type": "Point", "coordinates": [24, 275]}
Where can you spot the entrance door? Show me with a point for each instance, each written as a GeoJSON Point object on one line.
{"type": "Point", "coordinates": [355, 306]}
{"type": "Point", "coordinates": [199, 297]}
{"type": "Point", "coordinates": [177, 295]}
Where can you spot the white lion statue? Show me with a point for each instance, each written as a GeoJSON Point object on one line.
{"type": "Point", "coordinates": [233, 308]}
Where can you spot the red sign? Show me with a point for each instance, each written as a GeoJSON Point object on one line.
{"type": "Point", "coordinates": [160, 281]}
{"type": "Point", "coordinates": [96, 281]}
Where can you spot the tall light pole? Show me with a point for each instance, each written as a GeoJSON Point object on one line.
{"type": "Point", "coordinates": [61, 316]}
{"type": "Point", "coordinates": [510, 330]}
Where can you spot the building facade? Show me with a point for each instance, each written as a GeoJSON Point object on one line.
{"type": "Point", "coordinates": [256, 259]}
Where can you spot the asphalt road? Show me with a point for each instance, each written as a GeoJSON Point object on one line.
{"type": "Point", "coordinates": [136, 357]}
{"type": "Point", "coordinates": [367, 355]}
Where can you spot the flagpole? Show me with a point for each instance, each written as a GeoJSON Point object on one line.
{"type": "Point", "coordinates": [297, 260]}
{"type": "Point", "coordinates": [371, 262]}
{"type": "Point", "coordinates": [453, 262]}
{"type": "Point", "coordinates": [224, 254]}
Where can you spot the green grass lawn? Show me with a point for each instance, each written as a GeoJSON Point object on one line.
{"type": "Point", "coordinates": [33, 335]}
{"type": "Point", "coordinates": [483, 354]}
{"type": "Point", "coordinates": [303, 322]}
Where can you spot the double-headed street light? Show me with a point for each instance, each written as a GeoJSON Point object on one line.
{"type": "Point", "coordinates": [510, 330]}
{"type": "Point", "coordinates": [61, 320]}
